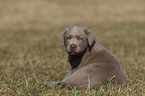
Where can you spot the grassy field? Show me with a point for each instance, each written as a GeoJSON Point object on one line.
{"type": "Point", "coordinates": [30, 52]}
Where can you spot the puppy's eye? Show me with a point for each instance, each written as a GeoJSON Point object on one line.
{"type": "Point", "coordinates": [80, 39]}
{"type": "Point", "coordinates": [68, 38]}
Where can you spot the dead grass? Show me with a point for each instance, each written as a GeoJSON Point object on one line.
{"type": "Point", "coordinates": [30, 52]}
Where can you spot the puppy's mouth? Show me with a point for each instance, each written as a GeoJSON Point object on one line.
{"type": "Point", "coordinates": [72, 52]}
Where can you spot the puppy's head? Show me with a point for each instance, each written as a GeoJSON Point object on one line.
{"type": "Point", "coordinates": [76, 39]}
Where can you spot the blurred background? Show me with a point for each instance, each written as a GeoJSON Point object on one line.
{"type": "Point", "coordinates": [29, 32]}
{"type": "Point", "coordinates": [35, 20]}
{"type": "Point", "coordinates": [49, 17]}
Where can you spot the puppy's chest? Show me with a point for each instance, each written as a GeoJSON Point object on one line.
{"type": "Point", "coordinates": [74, 62]}
{"type": "Point", "coordinates": [79, 62]}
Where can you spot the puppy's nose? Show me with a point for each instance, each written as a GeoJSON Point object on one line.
{"type": "Point", "coordinates": [73, 46]}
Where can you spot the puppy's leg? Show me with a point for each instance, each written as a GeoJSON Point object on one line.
{"type": "Point", "coordinates": [91, 85]}
{"type": "Point", "coordinates": [50, 84]}
{"type": "Point", "coordinates": [90, 75]}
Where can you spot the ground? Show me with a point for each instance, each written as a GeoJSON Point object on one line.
{"type": "Point", "coordinates": [30, 52]}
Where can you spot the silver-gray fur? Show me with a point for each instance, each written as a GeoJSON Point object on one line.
{"type": "Point", "coordinates": [92, 64]}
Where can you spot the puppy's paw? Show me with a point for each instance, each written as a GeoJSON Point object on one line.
{"type": "Point", "coordinates": [50, 84]}
{"type": "Point", "coordinates": [64, 84]}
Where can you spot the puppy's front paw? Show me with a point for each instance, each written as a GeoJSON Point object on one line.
{"type": "Point", "coordinates": [64, 84]}
{"type": "Point", "coordinates": [50, 84]}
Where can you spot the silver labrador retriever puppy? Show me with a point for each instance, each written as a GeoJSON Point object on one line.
{"type": "Point", "coordinates": [92, 64]}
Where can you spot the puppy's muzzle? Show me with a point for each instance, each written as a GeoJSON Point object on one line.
{"type": "Point", "coordinates": [73, 46]}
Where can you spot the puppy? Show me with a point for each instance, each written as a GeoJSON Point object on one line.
{"type": "Point", "coordinates": [92, 64]}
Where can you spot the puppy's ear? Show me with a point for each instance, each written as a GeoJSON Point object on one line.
{"type": "Point", "coordinates": [61, 36]}
{"type": "Point", "coordinates": [91, 35]}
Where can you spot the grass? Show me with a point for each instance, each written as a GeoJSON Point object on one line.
{"type": "Point", "coordinates": [30, 52]}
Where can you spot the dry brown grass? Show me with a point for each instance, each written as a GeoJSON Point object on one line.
{"type": "Point", "coordinates": [30, 52]}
